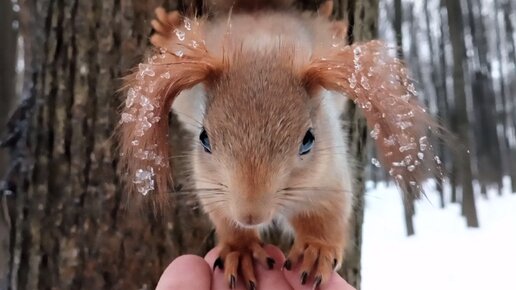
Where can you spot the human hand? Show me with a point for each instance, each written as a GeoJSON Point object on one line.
{"type": "Point", "coordinates": [195, 273]}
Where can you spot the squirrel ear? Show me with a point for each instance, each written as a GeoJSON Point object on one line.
{"type": "Point", "coordinates": [181, 62]}
{"type": "Point", "coordinates": [379, 85]}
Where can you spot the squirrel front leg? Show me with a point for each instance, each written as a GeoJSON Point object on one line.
{"type": "Point", "coordinates": [238, 247]}
{"type": "Point", "coordinates": [320, 240]}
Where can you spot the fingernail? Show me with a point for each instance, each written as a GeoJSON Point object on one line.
{"type": "Point", "coordinates": [304, 276]}
{"type": "Point", "coordinates": [270, 262]}
{"type": "Point", "coordinates": [252, 285]}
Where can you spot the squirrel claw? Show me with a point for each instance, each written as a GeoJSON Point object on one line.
{"type": "Point", "coordinates": [318, 260]}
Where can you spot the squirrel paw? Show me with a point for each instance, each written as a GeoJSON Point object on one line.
{"type": "Point", "coordinates": [239, 258]}
{"type": "Point", "coordinates": [319, 260]}
{"type": "Point", "coordinates": [164, 26]}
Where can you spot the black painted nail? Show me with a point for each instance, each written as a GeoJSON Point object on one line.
{"type": "Point", "coordinates": [232, 282]}
{"type": "Point", "coordinates": [270, 262]}
{"type": "Point", "coordinates": [317, 282]}
{"type": "Point", "coordinates": [304, 276]}
{"type": "Point", "coordinates": [287, 265]}
{"type": "Point", "coordinates": [218, 263]}
{"type": "Point", "coordinates": [252, 285]}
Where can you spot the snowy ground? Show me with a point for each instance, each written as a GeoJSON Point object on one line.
{"type": "Point", "coordinates": [444, 254]}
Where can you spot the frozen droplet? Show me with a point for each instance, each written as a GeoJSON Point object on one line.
{"type": "Point", "coordinates": [159, 160]}
{"type": "Point", "coordinates": [357, 51]}
{"type": "Point", "coordinates": [131, 97]}
{"type": "Point", "coordinates": [398, 164]}
{"type": "Point", "coordinates": [404, 125]}
{"type": "Point", "coordinates": [352, 81]}
{"type": "Point", "coordinates": [375, 132]}
{"type": "Point", "coordinates": [405, 97]}
{"type": "Point", "coordinates": [179, 53]}
{"type": "Point", "coordinates": [145, 124]}
{"type": "Point", "coordinates": [365, 83]}
{"type": "Point", "coordinates": [135, 142]}
{"type": "Point", "coordinates": [165, 75]}
{"type": "Point", "coordinates": [411, 168]}
{"type": "Point", "coordinates": [437, 160]}
{"type": "Point", "coordinates": [144, 70]}
{"type": "Point", "coordinates": [180, 34]}
{"type": "Point", "coordinates": [144, 180]}
{"type": "Point", "coordinates": [413, 183]}
{"type": "Point", "coordinates": [420, 155]}
{"type": "Point", "coordinates": [412, 89]}
{"type": "Point", "coordinates": [188, 24]}
{"type": "Point", "coordinates": [127, 118]}
{"type": "Point", "coordinates": [375, 162]}
{"type": "Point", "coordinates": [368, 106]}
{"type": "Point", "coordinates": [423, 143]}
{"type": "Point", "coordinates": [407, 147]}
{"type": "Point", "coordinates": [162, 50]}
{"type": "Point", "coordinates": [390, 141]}
{"type": "Point", "coordinates": [146, 103]}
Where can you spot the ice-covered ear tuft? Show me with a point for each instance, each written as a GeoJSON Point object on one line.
{"type": "Point", "coordinates": [378, 83]}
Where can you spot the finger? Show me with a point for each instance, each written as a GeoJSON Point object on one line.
{"type": "Point", "coordinates": [218, 281]}
{"type": "Point", "coordinates": [271, 278]}
{"type": "Point", "coordinates": [212, 256]}
{"type": "Point", "coordinates": [335, 282]}
{"type": "Point", "coordinates": [186, 272]}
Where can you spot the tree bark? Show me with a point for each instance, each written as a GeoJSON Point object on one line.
{"type": "Point", "coordinates": [363, 25]}
{"type": "Point", "coordinates": [455, 25]}
{"type": "Point", "coordinates": [71, 227]}
{"type": "Point", "coordinates": [7, 95]}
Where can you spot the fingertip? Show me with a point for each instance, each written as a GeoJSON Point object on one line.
{"type": "Point", "coordinates": [275, 253]}
{"type": "Point", "coordinates": [186, 272]}
{"type": "Point", "coordinates": [212, 255]}
{"type": "Point", "coordinates": [336, 282]}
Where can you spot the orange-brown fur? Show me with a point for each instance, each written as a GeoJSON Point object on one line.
{"type": "Point", "coordinates": [267, 77]}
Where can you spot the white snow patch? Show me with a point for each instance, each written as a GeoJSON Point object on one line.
{"type": "Point", "coordinates": [444, 254]}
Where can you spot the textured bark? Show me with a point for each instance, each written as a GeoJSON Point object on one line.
{"type": "Point", "coordinates": [363, 25]}
{"type": "Point", "coordinates": [7, 97]}
{"type": "Point", "coordinates": [463, 161]}
{"type": "Point", "coordinates": [71, 226]}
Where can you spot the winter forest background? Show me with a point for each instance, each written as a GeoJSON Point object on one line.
{"type": "Point", "coordinates": [61, 223]}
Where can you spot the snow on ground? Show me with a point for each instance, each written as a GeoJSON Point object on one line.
{"type": "Point", "coordinates": [444, 254]}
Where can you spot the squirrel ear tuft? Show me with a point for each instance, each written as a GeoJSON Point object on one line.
{"type": "Point", "coordinates": [379, 85]}
{"type": "Point", "coordinates": [180, 62]}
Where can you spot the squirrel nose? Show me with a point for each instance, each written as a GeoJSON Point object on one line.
{"type": "Point", "coordinates": [251, 220]}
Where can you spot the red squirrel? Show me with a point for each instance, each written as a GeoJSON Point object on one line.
{"type": "Point", "coordinates": [262, 87]}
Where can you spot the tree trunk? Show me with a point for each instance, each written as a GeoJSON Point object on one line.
{"type": "Point", "coordinates": [7, 95]}
{"type": "Point", "coordinates": [455, 24]}
{"type": "Point", "coordinates": [363, 25]}
{"type": "Point", "coordinates": [71, 227]}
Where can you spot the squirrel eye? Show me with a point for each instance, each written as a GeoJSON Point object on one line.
{"type": "Point", "coordinates": [308, 143]}
{"type": "Point", "coordinates": [205, 141]}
